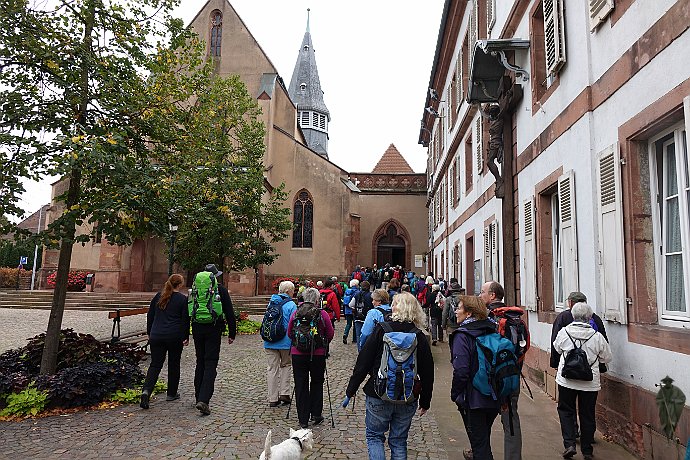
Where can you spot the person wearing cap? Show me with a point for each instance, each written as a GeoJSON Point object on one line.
{"type": "Point", "coordinates": [207, 338]}
{"type": "Point", "coordinates": [566, 317]}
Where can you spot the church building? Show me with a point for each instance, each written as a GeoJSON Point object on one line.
{"type": "Point", "coordinates": [340, 218]}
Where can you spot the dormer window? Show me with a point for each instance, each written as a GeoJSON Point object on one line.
{"type": "Point", "coordinates": [303, 86]}
{"type": "Point", "coordinates": [306, 48]}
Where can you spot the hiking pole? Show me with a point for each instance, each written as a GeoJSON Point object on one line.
{"type": "Point", "coordinates": [290, 405]}
{"type": "Point", "coordinates": [328, 388]}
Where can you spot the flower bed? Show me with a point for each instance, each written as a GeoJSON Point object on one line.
{"type": "Point", "coordinates": [88, 373]}
{"type": "Point", "coordinates": [76, 280]}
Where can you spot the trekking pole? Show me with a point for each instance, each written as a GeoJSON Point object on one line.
{"type": "Point", "coordinates": [328, 388]}
{"type": "Point", "coordinates": [354, 401]}
{"type": "Point", "coordinates": [290, 405]}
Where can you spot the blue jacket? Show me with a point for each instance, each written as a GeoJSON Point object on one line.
{"type": "Point", "coordinates": [349, 293]}
{"type": "Point", "coordinates": [289, 308]}
{"type": "Point", "coordinates": [465, 364]}
{"type": "Point", "coordinates": [373, 317]}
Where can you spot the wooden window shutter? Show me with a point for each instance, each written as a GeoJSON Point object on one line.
{"type": "Point", "coordinates": [490, 16]}
{"type": "Point", "coordinates": [611, 259]}
{"type": "Point", "coordinates": [487, 253]}
{"type": "Point", "coordinates": [480, 155]}
{"type": "Point", "coordinates": [458, 83]}
{"type": "Point", "coordinates": [529, 257]}
{"type": "Point", "coordinates": [566, 202]}
{"type": "Point", "coordinates": [598, 10]}
{"type": "Point", "coordinates": [473, 25]}
{"type": "Point", "coordinates": [554, 35]}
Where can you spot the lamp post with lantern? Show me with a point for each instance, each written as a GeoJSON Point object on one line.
{"type": "Point", "coordinates": [173, 233]}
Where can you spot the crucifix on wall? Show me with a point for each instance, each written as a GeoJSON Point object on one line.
{"type": "Point", "coordinates": [497, 114]}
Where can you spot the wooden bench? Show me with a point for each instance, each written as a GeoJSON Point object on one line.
{"type": "Point", "coordinates": [132, 337]}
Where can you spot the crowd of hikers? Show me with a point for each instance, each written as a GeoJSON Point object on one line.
{"type": "Point", "coordinates": [390, 312]}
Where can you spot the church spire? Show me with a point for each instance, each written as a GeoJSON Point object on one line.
{"type": "Point", "coordinates": [305, 91]}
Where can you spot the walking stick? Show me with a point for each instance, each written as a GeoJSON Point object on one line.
{"type": "Point", "coordinates": [328, 388]}
{"type": "Point", "coordinates": [290, 406]}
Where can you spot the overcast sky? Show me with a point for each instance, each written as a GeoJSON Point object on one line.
{"type": "Point", "coordinates": [374, 59]}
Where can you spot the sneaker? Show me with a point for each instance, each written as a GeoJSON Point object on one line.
{"type": "Point", "coordinates": [172, 397]}
{"type": "Point", "coordinates": [203, 408]}
{"type": "Point", "coordinates": [467, 454]}
{"type": "Point", "coordinates": [144, 401]}
{"type": "Point", "coordinates": [588, 456]}
{"type": "Point", "coordinates": [284, 400]}
{"type": "Point", "coordinates": [303, 425]}
{"type": "Point", "coordinates": [569, 452]}
{"type": "Point", "coordinates": [345, 340]}
{"type": "Point", "coordinates": [317, 420]}
{"type": "Point", "coordinates": [274, 404]}
{"type": "Point", "coordinates": [433, 343]}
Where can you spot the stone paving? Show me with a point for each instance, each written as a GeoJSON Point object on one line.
{"type": "Point", "coordinates": [236, 428]}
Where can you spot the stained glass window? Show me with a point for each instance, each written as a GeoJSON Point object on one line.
{"type": "Point", "coordinates": [216, 32]}
{"type": "Point", "coordinates": [303, 212]}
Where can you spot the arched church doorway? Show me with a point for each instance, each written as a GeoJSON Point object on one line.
{"type": "Point", "coordinates": [391, 247]}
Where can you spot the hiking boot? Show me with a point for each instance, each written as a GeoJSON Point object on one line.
{"type": "Point", "coordinates": [317, 420]}
{"type": "Point", "coordinates": [274, 404]}
{"type": "Point", "coordinates": [569, 452]}
{"type": "Point", "coordinates": [588, 456]}
{"type": "Point", "coordinates": [172, 397]}
{"type": "Point", "coordinates": [303, 425]}
{"type": "Point", "coordinates": [144, 401]}
{"type": "Point", "coordinates": [203, 408]}
{"type": "Point", "coordinates": [467, 454]}
{"type": "Point", "coordinates": [433, 343]}
{"type": "Point", "coordinates": [345, 340]}
{"type": "Point", "coordinates": [284, 400]}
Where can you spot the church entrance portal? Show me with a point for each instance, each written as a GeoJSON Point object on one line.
{"type": "Point", "coordinates": [390, 248]}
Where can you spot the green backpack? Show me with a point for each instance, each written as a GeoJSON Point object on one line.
{"type": "Point", "coordinates": [204, 301]}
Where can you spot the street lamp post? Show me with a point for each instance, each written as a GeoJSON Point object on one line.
{"type": "Point", "coordinates": [173, 233]}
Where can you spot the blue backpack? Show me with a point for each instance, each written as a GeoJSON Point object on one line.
{"type": "Point", "coordinates": [498, 375]}
{"type": "Point", "coordinates": [272, 327]}
{"type": "Point", "coordinates": [396, 379]}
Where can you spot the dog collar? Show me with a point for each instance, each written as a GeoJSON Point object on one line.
{"type": "Point", "coordinates": [298, 441]}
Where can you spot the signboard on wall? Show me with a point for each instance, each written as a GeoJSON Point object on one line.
{"type": "Point", "coordinates": [418, 260]}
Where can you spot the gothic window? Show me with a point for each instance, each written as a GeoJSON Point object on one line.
{"type": "Point", "coordinates": [303, 219]}
{"type": "Point", "coordinates": [216, 31]}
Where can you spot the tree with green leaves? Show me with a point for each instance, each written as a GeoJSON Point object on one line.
{"type": "Point", "coordinates": [111, 96]}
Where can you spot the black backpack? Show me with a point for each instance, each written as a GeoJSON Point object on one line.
{"type": "Point", "coordinates": [576, 365]}
{"type": "Point", "coordinates": [358, 311]}
{"type": "Point", "coordinates": [306, 330]}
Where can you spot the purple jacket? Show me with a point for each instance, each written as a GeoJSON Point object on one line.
{"type": "Point", "coordinates": [465, 365]}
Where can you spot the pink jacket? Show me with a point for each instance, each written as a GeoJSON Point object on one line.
{"type": "Point", "coordinates": [325, 328]}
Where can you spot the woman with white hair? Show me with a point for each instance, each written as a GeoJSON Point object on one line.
{"type": "Point", "coordinates": [279, 369]}
{"type": "Point", "coordinates": [350, 294]}
{"type": "Point", "coordinates": [581, 349]}
{"type": "Point", "coordinates": [385, 416]}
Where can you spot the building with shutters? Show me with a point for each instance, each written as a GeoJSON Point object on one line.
{"type": "Point", "coordinates": [593, 190]}
{"type": "Point", "coordinates": [340, 218]}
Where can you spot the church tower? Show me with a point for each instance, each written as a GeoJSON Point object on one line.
{"type": "Point", "coordinates": [305, 91]}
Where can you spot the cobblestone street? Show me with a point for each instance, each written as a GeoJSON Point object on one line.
{"type": "Point", "coordinates": [236, 428]}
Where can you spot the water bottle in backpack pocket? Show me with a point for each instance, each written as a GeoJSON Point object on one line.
{"type": "Point", "coordinates": [396, 378]}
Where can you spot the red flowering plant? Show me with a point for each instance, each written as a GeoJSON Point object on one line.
{"type": "Point", "coordinates": [76, 280]}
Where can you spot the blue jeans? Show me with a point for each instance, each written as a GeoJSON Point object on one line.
{"type": "Point", "coordinates": [358, 330]}
{"type": "Point", "coordinates": [384, 416]}
{"type": "Point", "coordinates": [348, 326]}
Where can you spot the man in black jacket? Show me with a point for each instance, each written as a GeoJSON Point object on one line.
{"type": "Point", "coordinates": [565, 318]}
{"type": "Point", "coordinates": [207, 338]}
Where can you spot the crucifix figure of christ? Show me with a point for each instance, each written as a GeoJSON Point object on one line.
{"type": "Point", "coordinates": [496, 113]}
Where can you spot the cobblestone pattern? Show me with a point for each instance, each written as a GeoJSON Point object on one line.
{"type": "Point", "coordinates": [236, 428]}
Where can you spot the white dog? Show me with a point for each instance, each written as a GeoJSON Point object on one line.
{"type": "Point", "coordinates": [293, 448]}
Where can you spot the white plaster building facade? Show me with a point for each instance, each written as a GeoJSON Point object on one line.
{"type": "Point", "coordinates": [597, 188]}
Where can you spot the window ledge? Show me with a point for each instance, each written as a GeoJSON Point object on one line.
{"type": "Point", "coordinates": [659, 336]}
{"type": "Point", "coordinates": [302, 249]}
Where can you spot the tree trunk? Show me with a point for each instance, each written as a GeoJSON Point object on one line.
{"type": "Point", "coordinates": [52, 341]}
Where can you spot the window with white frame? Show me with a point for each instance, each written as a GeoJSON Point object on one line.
{"type": "Point", "coordinates": [671, 185]}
